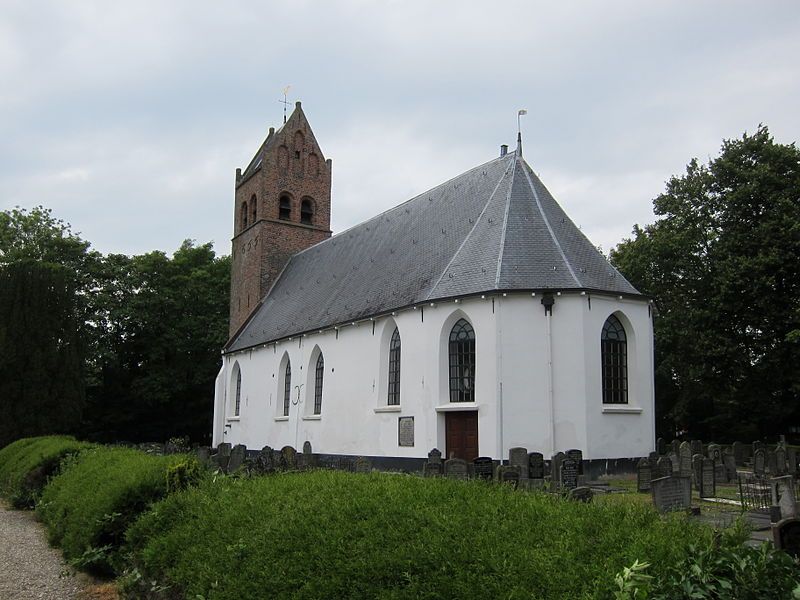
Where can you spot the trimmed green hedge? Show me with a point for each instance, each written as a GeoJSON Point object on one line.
{"type": "Point", "coordinates": [340, 535]}
{"type": "Point", "coordinates": [27, 464]}
{"type": "Point", "coordinates": [89, 506]}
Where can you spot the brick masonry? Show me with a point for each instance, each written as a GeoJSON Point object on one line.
{"type": "Point", "coordinates": [292, 167]}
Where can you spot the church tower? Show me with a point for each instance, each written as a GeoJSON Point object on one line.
{"type": "Point", "coordinates": [282, 206]}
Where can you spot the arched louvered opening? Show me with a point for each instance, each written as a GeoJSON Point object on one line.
{"type": "Point", "coordinates": [307, 211]}
{"type": "Point", "coordinates": [285, 207]}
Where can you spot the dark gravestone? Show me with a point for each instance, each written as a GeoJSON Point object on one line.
{"type": "Point", "coordinates": [289, 458]}
{"type": "Point", "coordinates": [738, 453]}
{"type": "Point", "coordinates": [697, 470]}
{"type": "Point", "coordinates": [786, 536]}
{"type": "Point", "coordinates": [581, 494]}
{"type": "Point", "coordinates": [643, 475]}
{"type": "Point", "coordinates": [577, 456]}
{"type": "Point", "coordinates": [729, 460]}
{"type": "Point", "coordinates": [434, 467]}
{"type": "Point", "coordinates": [676, 445]}
{"type": "Point", "coordinates": [362, 465]}
{"type": "Point", "coordinates": [685, 460]}
{"type": "Point", "coordinates": [772, 463]}
{"type": "Point", "coordinates": [757, 446]}
{"type": "Point", "coordinates": [536, 465]}
{"type": "Point", "coordinates": [238, 453]}
{"type": "Point", "coordinates": [264, 462]}
{"type": "Point", "coordinates": [223, 456]}
{"type": "Point", "coordinates": [518, 457]}
{"type": "Point", "coordinates": [663, 467]}
{"type": "Point", "coordinates": [570, 469]}
{"type": "Point", "coordinates": [780, 461]}
{"type": "Point", "coordinates": [203, 455]}
{"type": "Point", "coordinates": [508, 475]}
{"type": "Point", "coordinates": [653, 458]}
{"type": "Point", "coordinates": [671, 493]}
{"type": "Point", "coordinates": [307, 447]}
{"type": "Point", "coordinates": [435, 456]}
{"type": "Point", "coordinates": [456, 468]}
{"type": "Point", "coordinates": [483, 468]}
{"type": "Point", "coordinates": [660, 446]}
{"type": "Point", "coordinates": [708, 487]}
{"type": "Point", "coordinates": [720, 474]}
{"type": "Point", "coordinates": [555, 470]}
{"type": "Point", "coordinates": [697, 446]}
{"type": "Point", "coordinates": [759, 462]}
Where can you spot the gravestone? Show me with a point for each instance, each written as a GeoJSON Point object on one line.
{"type": "Point", "coordinates": [307, 447]}
{"type": "Point", "coordinates": [759, 462]}
{"type": "Point", "coordinates": [483, 468]}
{"type": "Point", "coordinates": [729, 460]}
{"type": "Point", "coordinates": [263, 463]}
{"type": "Point", "coordinates": [660, 446]}
{"type": "Point", "coordinates": [791, 461]}
{"type": "Point", "coordinates": [570, 469]}
{"type": "Point", "coordinates": [536, 465]}
{"type": "Point", "coordinates": [708, 481]}
{"type": "Point", "coordinates": [435, 456]}
{"type": "Point", "coordinates": [786, 536]}
{"type": "Point", "coordinates": [581, 493]}
{"type": "Point", "coordinates": [577, 456]}
{"type": "Point", "coordinates": [203, 455]}
{"type": "Point", "coordinates": [238, 453]}
{"type": "Point", "coordinates": [715, 453]}
{"type": "Point", "coordinates": [685, 460]}
{"type": "Point", "coordinates": [663, 467]}
{"type": "Point", "coordinates": [289, 458]}
{"type": "Point", "coordinates": [653, 458]}
{"type": "Point", "coordinates": [675, 463]}
{"type": "Point", "coordinates": [782, 489]}
{"type": "Point", "coordinates": [433, 467]}
{"type": "Point", "coordinates": [508, 475]}
{"type": "Point", "coordinates": [643, 475]}
{"type": "Point", "coordinates": [518, 457]}
{"type": "Point", "coordinates": [456, 468]}
{"type": "Point", "coordinates": [676, 446]}
{"type": "Point", "coordinates": [757, 446]}
{"type": "Point", "coordinates": [697, 470]}
{"type": "Point", "coordinates": [780, 461]}
{"type": "Point", "coordinates": [671, 493]}
{"type": "Point", "coordinates": [362, 465]}
{"type": "Point", "coordinates": [555, 470]}
{"type": "Point", "coordinates": [720, 474]}
{"type": "Point", "coordinates": [697, 446]}
{"type": "Point", "coordinates": [738, 453]}
{"type": "Point", "coordinates": [223, 456]}
{"type": "Point", "coordinates": [772, 463]}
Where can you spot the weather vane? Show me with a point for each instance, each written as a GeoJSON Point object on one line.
{"type": "Point", "coordinates": [520, 113]}
{"type": "Point", "coordinates": [285, 102]}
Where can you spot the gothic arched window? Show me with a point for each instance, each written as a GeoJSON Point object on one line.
{"type": "Point", "coordinates": [287, 387]}
{"type": "Point", "coordinates": [318, 374]}
{"type": "Point", "coordinates": [238, 392]}
{"type": "Point", "coordinates": [307, 211]}
{"type": "Point", "coordinates": [285, 208]}
{"type": "Point", "coordinates": [394, 369]}
{"type": "Point", "coordinates": [462, 362]}
{"type": "Point", "coordinates": [614, 358]}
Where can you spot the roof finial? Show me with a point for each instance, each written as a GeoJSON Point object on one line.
{"type": "Point", "coordinates": [521, 112]}
{"type": "Point", "coordinates": [285, 102]}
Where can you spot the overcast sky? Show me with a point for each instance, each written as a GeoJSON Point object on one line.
{"type": "Point", "coordinates": [129, 119]}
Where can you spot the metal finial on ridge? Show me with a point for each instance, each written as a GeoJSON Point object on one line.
{"type": "Point", "coordinates": [520, 113]}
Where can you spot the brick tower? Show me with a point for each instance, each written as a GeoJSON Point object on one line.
{"type": "Point", "coordinates": [282, 206]}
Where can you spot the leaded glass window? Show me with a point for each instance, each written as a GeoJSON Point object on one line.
{"type": "Point", "coordinates": [462, 362]}
{"type": "Point", "coordinates": [394, 369]}
{"type": "Point", "coordinates": [238, 403]}
{"type": "Point", "coordinates": [614, 357]}
{"type": "Point", "coordinates": [287, 388]}
{"type": "Point", "coordinates": [318, 385]}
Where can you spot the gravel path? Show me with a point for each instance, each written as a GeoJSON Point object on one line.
{"type": "Point", "coordinates": [29, 568]}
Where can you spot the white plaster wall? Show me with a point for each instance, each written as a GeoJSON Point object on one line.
{"type": "Point", "coordinates": [512, 380]}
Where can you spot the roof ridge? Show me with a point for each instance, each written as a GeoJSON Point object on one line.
{"type": "Point", "coordinates": [549, 227]}
{"type": "Point", "coordinates": [505, 227]}
{"type": "Point", "coordinates": [472, 229]}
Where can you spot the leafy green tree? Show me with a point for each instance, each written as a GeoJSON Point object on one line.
{"type": "Point", "coordinates": [41, 369]}
{"type": "Point", "coordinates": [722, 261]}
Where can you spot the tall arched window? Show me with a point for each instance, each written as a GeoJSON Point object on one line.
{"type": "Point", "coordinates": [307, 211]}
{"type": "Point", "coordinates": [394, 369]}
{"type": "Point", "coordinates": [238, 402]}
{"type": "Point", "coordinates": [462, 362]}
{"type": "Point", "coordinates": [614, 357]}
{"type": "Point", "coordinates": [287, 388]}
{"type": "Point", "coordinates": [318, 374]}
{"type": "Point", "coordinates": [285, 208]}
{"type": "Point", "coordinates": [253, 209]}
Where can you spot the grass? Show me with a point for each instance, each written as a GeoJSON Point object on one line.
{"type": "Point", "coordinates": [340, 535]}
{"type": "Point", "coordinates": [89, 506]}
{"type": "Point", "coordinates": [28, 464]}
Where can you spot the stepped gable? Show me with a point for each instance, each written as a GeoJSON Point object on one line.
{"type": "Point", "coordinates": [493, 228]}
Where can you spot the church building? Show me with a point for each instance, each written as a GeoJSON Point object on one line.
{"type": "Point", "coordinates": [473, 318]}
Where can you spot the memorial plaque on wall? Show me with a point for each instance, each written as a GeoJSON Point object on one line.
{"type": "Point", "coordinates": [405, 431]}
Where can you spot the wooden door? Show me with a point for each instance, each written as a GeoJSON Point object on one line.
{"type": "Point", "coordinates": [461, 433]}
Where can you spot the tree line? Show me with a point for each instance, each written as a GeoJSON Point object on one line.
{"type": "Point", "coordinates": [108, 347]}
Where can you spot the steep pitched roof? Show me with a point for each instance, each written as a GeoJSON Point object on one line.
{"type": "Point", "coordinates": [493, 228]}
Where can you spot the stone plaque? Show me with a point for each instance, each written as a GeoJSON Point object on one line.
{"type": "Point", "coordinates": [759, 461]}
{"type": "Point", "coordinates": [569, 473]}
{"type": "Point", "coordinates": [536, 465]}
{"type": "Point", "coordinates": [707, 487]}
{"type": "Point", "coordinates": [685, 459]}
{"type": "Point", "coordinates": [405, 432]}
{"type": "Point", "coordinates": [518, 457]}
{"type": "Point", "coordinates": [456, 468]}
{"type": "Point", "coordinates": [483, 468]}
{"type": "Point", "coordinates": [671, 493]}
{"type": "Point", "coordinates": [643, 475]}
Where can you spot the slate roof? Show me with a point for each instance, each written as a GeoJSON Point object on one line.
{"type": "Point", "coordinates": [493, 228]}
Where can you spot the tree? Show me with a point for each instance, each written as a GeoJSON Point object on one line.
{"type": "Point", "coordinates": [722, 262]}
{"type": "Point", "coordinates": [41, 374]}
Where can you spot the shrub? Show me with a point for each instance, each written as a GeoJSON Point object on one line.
{"type": "Point", "coordinates": [88, 507]}
{"type": "Point", "coordinates": [339, 535]}
{"type": "Point", "coordinates": [27, 464]}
